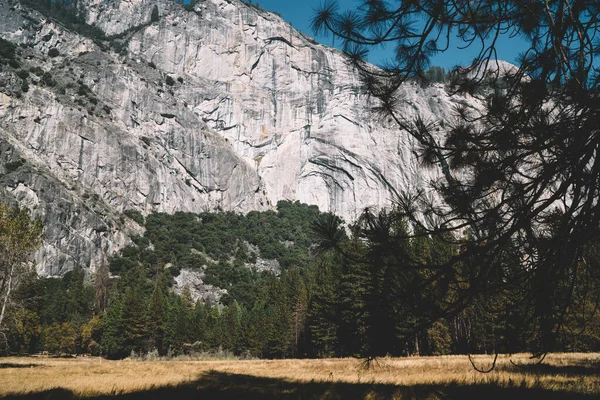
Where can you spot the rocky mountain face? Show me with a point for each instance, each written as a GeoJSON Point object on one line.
{"type": "Point", "coordinates": [222, 107]}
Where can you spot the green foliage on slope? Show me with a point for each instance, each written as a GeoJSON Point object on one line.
{"type": "Point", "coordinates": [7, 51]}
{"type": "Point", "coordinates": [66, 13]}
{"type": "Point", "coordinates": [222, 242]}
{"type": "Point", "coordinates": [339, 292]}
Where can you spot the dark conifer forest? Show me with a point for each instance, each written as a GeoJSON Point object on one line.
{"type": "Point", "coordinates": [352, 295]}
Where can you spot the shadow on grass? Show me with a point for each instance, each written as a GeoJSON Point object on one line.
{"type": "Point", "coordinates": [586, 368]}
{"type": "Point", "coordinates": [16, 365]}
{"type": "Point", "coordinates": [218, 385]}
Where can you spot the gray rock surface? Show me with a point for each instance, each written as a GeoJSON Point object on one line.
{"type": "Point", "coordinates": [225, 107]}
{"type": "Point", "coordinates": [192, 279]}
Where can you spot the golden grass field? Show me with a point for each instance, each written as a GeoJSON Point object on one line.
{"type": "Point", "coordinates": [561, 376]}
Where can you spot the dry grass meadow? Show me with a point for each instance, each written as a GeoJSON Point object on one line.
{"type": "Point", "coordinates": [562, 376]}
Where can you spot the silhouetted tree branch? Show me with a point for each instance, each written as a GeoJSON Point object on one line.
{"type": "Point", "coordinates": [521, 176]}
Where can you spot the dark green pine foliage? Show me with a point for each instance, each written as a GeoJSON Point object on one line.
{"type": "Point", "coordinates": [230, 328]}
{"type": "Point", "coordinates": [79, 295]}
{"type": "Point", "coordinates": [135, 323]}
{"type": "Point", "coordinates": [323, 309]}
{"type": "Point", "coordinates": [125, 326]}
{"type": "Point", "coordinates": [388, 258]}
{"type": "Point", "coordinates": [7, 51]}
{"type": "Point", "coordinates": [253, 329]}
{"type": "Point", "coordinates": [422, 301]}
{"type": "Point", "coordinates": [66, 300]}
{"type": "Point", "coordinates": [298, 297]}
{"type": "Point", "coordinates": [156, 317]}
{"type": "Point", "coordinates": [371, 286]}
{"type": "Point", "coordinates": [382, 304]}
{"type": "Point", "coordinates": [175, 326]}
{"type": "Point", "coordinates": [101, 287]}
{"type": "Point", "coordinates": [199, 323]}
{"type": "Point", "coordinates": [283, 311]}
{"type": "Point", "coordinates": [112, 328]}
{"type": "Point", "coordinates": [80, 300]}
{"type": "Point", "coordinates": [56, 301]}
{"type": "Point", "coordinates": [213, 327]}
{"type": "Point", "coordinates": [186, 298]}
{"type": "Point", "coordinates": [277, 333]}
{"type": "Point", "coordinates": [355, 289]}
{"type": "Point", "coordinates": [178, 327]}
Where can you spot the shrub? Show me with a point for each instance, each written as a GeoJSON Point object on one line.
{"type": "Point", "coordinates": [37, 71]}
{"type": "Point", "coordinates": [22, 74]}
{"type": "Point", "coordinates": [154, 15]}
{"type": "Point", "coordinates": [14, 165]}
{"type": "Point", "coordinates": [170, 81]}
{"type": "Point", "coordinates": [7, 49]}
{"type": "Point", "coordinates": [135, 215]}
{"type": "Point", "coordinates": [47, 79]}
{"type": "Point", "coordinates": [83, 90]}
{"type": "Point", "coordinates": [53, 52]}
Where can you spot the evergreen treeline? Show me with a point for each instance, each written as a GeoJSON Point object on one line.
{"type": "Point", "coordinates": [337, 294]}
{"type": "Point", "coordinates": [130, 305]}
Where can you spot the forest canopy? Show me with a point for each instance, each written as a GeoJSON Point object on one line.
{"type": "Point", "coordinates": [353, 295]}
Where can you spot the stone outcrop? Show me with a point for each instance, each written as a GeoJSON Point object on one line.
{"type": "Point", "coordinates": [193, 281]}
{"type": "Point", "coordinates": [223, 107]}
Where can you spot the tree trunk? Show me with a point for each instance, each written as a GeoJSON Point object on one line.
{"type": "Point", "coordinates": [7, 295]}
{"type": "Point", "coordinates": [416, 344]}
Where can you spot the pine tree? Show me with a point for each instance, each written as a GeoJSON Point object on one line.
{"type": "Point", "coordinates": [297, 293]}
{"type": "Point", "coordinates": [134, 310]}
{"type": "Point", "coordinates": [156, 316]}
{"type": "Point", "coordinates": [253, 331]}
{"type": "Point", "coordinates": [77, 293]}
{"type": "Point", "coordinates": [230, 327]}
{"type": "Point", "coordinates": [186, 297]}
{"type": "Point", "coordinates": [135, 333]}
{"type": "Point", "coordinates": [278, 321]}
{"type": "Point", "coordinates": [213, 328]}
{"type": "Point", "coordinates": [154, 14]}
{"type": "Point", "coordinates": [101, 286]}
{"type": "Point", "coordinates": [353, 329]}
{"type": "Point", "coordinates": [199, 324]}
{"type": "Point", "coordinates": [322, 313]}
{"type": "Point", "coordinates": [112, 328]}
{"type": "Point", "coordinates": [178, 324]}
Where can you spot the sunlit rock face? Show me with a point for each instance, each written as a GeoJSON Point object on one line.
{"type": "Point", "coordinates": [223, 107]}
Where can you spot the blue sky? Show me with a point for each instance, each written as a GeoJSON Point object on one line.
{"type": "Point", "coordinates": [299, 14]}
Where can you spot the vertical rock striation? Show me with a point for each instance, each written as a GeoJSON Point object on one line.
{"type": "Point", "coordinates": [224, 107]}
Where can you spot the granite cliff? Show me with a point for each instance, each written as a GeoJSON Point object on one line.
{"type": "Point", "coordinates": [221, 107]}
